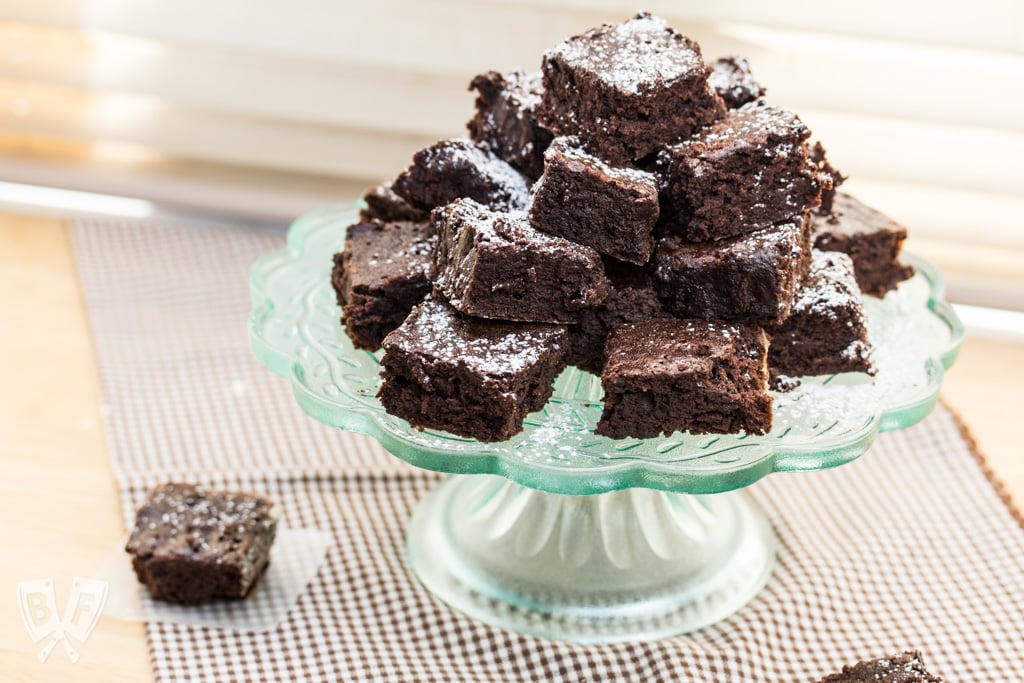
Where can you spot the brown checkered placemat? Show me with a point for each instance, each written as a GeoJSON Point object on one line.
{"type": "Point", "coordinates": [911, 546]}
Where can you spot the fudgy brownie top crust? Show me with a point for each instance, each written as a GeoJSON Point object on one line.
{"type": "Point", "coordinates": [667, 347]}
{"type": "Point", "coordinates": [634, 57]}
{"type": "Point", "coordinates": [379, 252]}
{"type": "Point", "coordinates": [456, 168]}
{"type": "Point", "coordinates": [755, 125]}
{"type": "Point", "coordinates": [183, 520]}
{"type": "Point", "coordinates": [571, 149]}
{"type": "Point", "coordinates": [506, 119]}
{"type": "Point", "coordinates": [829, 286]}
{"type": "Point", "coordinates": [489, 347]}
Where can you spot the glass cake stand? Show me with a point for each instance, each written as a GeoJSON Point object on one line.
{"type": "Point", "coordinates": [574, 536]}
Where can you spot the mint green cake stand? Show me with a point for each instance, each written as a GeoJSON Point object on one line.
{"type": "Point", "coordinates": [568, 535]}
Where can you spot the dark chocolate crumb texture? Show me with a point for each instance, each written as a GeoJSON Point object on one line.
{"type": "Point", "coordinates": [191, 544]}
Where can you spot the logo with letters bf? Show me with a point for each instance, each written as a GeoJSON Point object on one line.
{"type": "Point", "coordinates": [44, 622]}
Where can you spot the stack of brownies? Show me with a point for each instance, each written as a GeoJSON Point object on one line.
{"type": "Point", "coordinates": [627, 210]}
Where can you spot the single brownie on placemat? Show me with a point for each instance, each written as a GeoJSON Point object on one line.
{"type": "Point", "coordinates": [383, 204]}
{"type": "Point", "coordinates": [731, 78]}
{"type": "Point", "coordinates": [472, 377]}
{"type": "Point", "coordinates": [870, 238]}
{"type": "Point", "coordinates": [382, 273]}
{"type": "Point", "coordinates": [505, 121]}
{"type": "Point", "coordinates": [455, 168]}
{"type": "Point", "coordinates": [610, 208]}
{"type": "Point", "coordinates": [190, 544]}
{"type": "Point", "coordinates": [668, 375]}
{"type": "Point", "coordinates": [752, 278]}
{"type": "Point", "coordinates": [825, 332]}
{"type": "Point", "coordinates": [496, 265]}
{"type": "Point", "coordinates": [747, 171]}
{"type": "Point", "coordinates": [626, 89]}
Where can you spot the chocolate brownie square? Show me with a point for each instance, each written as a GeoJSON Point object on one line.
{"type": "Point", "coordinates": [383, 204]}
{"type": "Point", "coordinates": [752, 278]}
{"type": "Point", "coordinates": [626, 89]}
{"type": "Point", "coordinates": [468, 376]}
{"type": "Point", "coordinates": [191, 544]}
{"type": "Point", "coordinates": [631, 299]}
{"type": "Point", "coordinates": [495, 265]}
{"type": "Point", "coordinates": [747, 171]}
{"type": "Point", "coordinates": [610, 208]}
{"type": "Point", "coordinates": [382, 273]}
{"type": "Point", "coordinates": [906, 667]}
{"type": "Point", "coordinates": [450, 169]}
{"type": "Point", "coordinates": [870, 238]}
{"type": "Point", "coordinates": [825, 332]}
{"type": "Point", "coordinates": [506, 120]}
{"type": "Point", "coordinates": [731, 79]}
{"type": "Point", "coordinates": [664, 376]}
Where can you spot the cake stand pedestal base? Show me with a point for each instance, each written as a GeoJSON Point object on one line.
{"type": "Point", "coordinates": [636, 564]}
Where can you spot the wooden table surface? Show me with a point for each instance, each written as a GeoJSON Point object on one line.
{"type": "Point", "coordinates": [58, 502]}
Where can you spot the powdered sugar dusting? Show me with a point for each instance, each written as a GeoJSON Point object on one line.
{"type": "Point", "coordinates": [492, 348]}
{"type": "Point", "coordinates": [830, 286]}
{"type": "Point", "coordinates": [751, 125]}
{"type": "Point", "coordinates": [570, 148]}
{"type": "Point", "coordinates": [461, 155]}
{"type": "Point", "coordinates": [636, 56]}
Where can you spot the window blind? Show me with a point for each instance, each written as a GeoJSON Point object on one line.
{"type": "Point", "coordinates": [921, 106]}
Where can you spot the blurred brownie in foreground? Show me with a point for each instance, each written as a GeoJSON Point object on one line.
{"type": "Point", "coordinates": [870, 238]}
{"type": "Point", "coordinates": [382, 273]}
{"type": "Point", "coordinates": [506, 121]}
{"type": "Point", "coordinates": [825, 333]}
{"type": "Point", "coordinates": [450, 169]}
{"type": "Point", "coordinates": [468, 376]}
{"type": "Point", "coordinates": [610, 208]}
{"type": "Point", "coordinates": [664, 376]}
{"type": "Point", "coordinates": [627, 89]}
{"type": "Point", "coordinates": [906, 667]}
{"type": "Point", "coordinates": [191, 544]}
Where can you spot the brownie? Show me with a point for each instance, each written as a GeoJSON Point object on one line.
{"type": "Point", "coordinates": [870, 238]}
{"type": "Point", "coordinates": [610, 208]}
{"type": "Point", "coordinates": [631, 299]}
{"type": "Point", "coordinates": [382, 273]}
{"type": "Point", "coordinates": [752, 278]}
{"type": "Point", "coordinates": [731, 79]}
{"type": "Point", "coordinates": [496, 265]}
{"type": "Point", "coordinates": [468, 376]}
{"type": "Point", "coordinates": [747, 171]}
{"type": "Point", "coordinates": [906, 667]}
{"type": "Point", "coordinates": [825, 332]}
{"type": "Point", "coordinates": [191, 545]}
{"type": "Point", "coordinates": [664, 376]}
{"type": "Point", "coordinates": [626, 89]}
{"type": "Point", "coordinates": [506, 121]}
{"type": "Point", "coordinates": [828, 192]}
{"type": "Point", "coordinates": [383, 204]}
{"type": "Point", "coordinates": [450, 169]}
